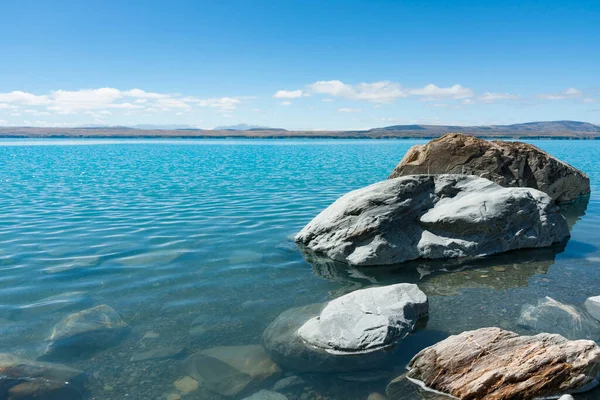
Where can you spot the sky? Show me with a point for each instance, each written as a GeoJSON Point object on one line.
{"type": "Point", "coordinates": [298, 64]}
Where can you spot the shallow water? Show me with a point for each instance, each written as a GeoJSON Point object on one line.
{"type": "Point", "coordinates": [167, 232]}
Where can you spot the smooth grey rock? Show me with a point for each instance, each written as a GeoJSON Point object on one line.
{"type": "Point", "coordinates": [432, 217]}
{"type": "Point", "coordinates": [491, 363]}
{"type": "Point", "coordinates": [25, 379]}
{"type": "Point", "coordinates": [552, 316]}
{"type": "Point", "coordinates": [341, 335]}
{"type": "Point", "coordinates": [266, 395]}
{"type": "Point", "coordinates": [231, 370]}
{"type": "Point", "coordinates": [288, 383]}
{"type": "Point", "coordinates": [366, 320]}
{"type": "Point", "coordinates": [592, 305]}
{"type": "Point", "coordinates": [85, 331]}
{"type": "Point", "coordinates": [510, 164]}
{"type": "Point", "coordinates": [158, 353]}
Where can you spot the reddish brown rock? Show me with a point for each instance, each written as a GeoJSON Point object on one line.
{"type": "Point", "coordinates": [510, 164]}
{"type": "Point", "coordinates": [494, 364]}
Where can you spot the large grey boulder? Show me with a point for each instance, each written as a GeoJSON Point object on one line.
{"type": "Point", "coordinates": [510, 164]}
{"type": "Point", "coordinates": [494, 364]}
{"type": "Point", "coordinates": [432, 217]}
{"type": "Point", "coordinates": [353, 332]}
{"type": "Point", "coordinates": [552, 316]}
{"type": "Point", "coordinates": [25, 379]}
{"type": "Point", "coordinates": [85, 331]}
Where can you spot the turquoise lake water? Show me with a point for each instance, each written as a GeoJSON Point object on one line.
{"type": "Point", "coordinates": [166, 232]}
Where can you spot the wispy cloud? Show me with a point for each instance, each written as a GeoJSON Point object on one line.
{"type": "Point", "coordinates": [288, 94]}
{"type": "Point", "coordinates": [570, 93]}
{"type": "Point", "coordinates": [285, 103]}
{"type": "Point", "coordinates": [433, 92]}
{"type": "Point", "coordinates": [489, 97]}
{"type": "Point", "coordinates": [79, 101]}
{"type": "Point", "coordinates": [349, 110]}
{"type": "Point", "coordinates": [377, 92]}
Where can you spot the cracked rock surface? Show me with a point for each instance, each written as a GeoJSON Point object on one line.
{"type": "Point", "coordinates": [494, 364]}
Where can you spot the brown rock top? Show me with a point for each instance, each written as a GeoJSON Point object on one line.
{"type": "Point", "coordinates": [510, 164]}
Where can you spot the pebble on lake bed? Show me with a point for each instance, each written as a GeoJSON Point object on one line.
{"type": "Point", "coordinates": [186, 384]}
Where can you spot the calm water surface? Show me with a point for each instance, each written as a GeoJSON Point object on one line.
{"type": "Point", "coordinates": [166, 232]}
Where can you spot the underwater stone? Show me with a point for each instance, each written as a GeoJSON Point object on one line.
{"type": "Point", "coordinates": [592, 306]}
{"type": "Point", "coordinates": [231, 370]}
{"type": "Point", "coordinates": [25, 379]}
{"type": "Point", "coordinates": [552, 316]}
{"type": "Point", "coordinates": [85, 331]}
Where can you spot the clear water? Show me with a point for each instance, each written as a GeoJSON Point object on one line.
{"type": "Point", "coordinates": [168, 231]}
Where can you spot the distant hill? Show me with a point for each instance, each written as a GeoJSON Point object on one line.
{"type": "Point", "coordinates": [529, 130]}
{"type": "Point", "coordinates": [163, 127]}
{"type": "Point", "coordinates": [245, 127]}
{"type": "Point", "coordinates": [544, 128]}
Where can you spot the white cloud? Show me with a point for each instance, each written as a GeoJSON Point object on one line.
{"type": "Point", "coordinates": [285, 103]}
{"type": "Point", "coordinates": [36, 113]}
{"type": "Point", "coordinates": [349, 110]}
{"type": "Point", "coordinates": [489, 97]}
{"type": "Point", "coordinates": [433, 92]}
{"type": "Point", "coordinates": [79, 101]}
{"type": "Point", "coordinates": [288, 94]}
{"type": "Point", "coordinates": [376, 92]}
{"type": "Point", "coordinates": [326, 100]}
{"type": "Point", "coordinates": [387, 91]}
{"type": "Point", "coordinates": [570, 93]}
{"type": "Point", "coordinates": [3, 121]}
{"type": "Point", "coordinates": [221, 103]}
{"type": "Point", "coordinates": [24, 98]}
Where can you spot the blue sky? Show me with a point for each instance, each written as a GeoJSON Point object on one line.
{"type": "Point", "coordinates": [298, 64]}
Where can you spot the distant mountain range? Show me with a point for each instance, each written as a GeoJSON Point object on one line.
{"type": "Point", "coordinates": [529, 130]}
{"type": "Point", "coordinates": [551, 128]}
{"type": "Point", "coordinates": [245, 127]}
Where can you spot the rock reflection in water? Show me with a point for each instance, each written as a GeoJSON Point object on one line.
{"type": "Point", "coordinates": [446, 277]}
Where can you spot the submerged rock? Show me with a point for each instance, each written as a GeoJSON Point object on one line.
{"type": "Point", "coordinates": [403, 389]}
{"type": "Point", "coordinates": [85, 331]}
{"type": "Point", "coordinates": [552, 316]}
{"type": "Point", "coordinates": [510, 164]}
{"type": "Point", "coordinates": [432, 217]}
{"type": "Point", "coordinates": [25, 379]}
{"type": "Point", "coordinates": [158, 353]}
{"type": "Point", "coordinates": [266, 395]}
{"type": "Point", "coordinates": [289, 383]}
{"type": "Point", "coordinates": [494, 364]}
{"type": "Point", "coordinates": [592, 305]}
{"type": "Point", "coordinates": [231, 370]}
{"type": "Point", "coordinates": [352, 332]}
